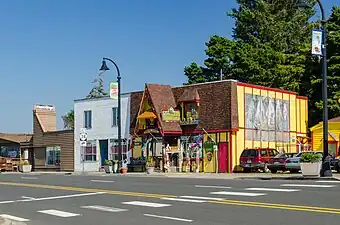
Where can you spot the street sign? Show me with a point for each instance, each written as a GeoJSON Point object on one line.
{"type": "Point", "coordinates": [83, 137]}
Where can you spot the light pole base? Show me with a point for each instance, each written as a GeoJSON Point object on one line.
{"type": "Point", "coordinates": [326, 170]}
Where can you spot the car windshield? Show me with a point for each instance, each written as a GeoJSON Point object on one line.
{"type": "Point", "coordinates": [281, 155]}
{"type": "Point", "coordinates": [249, 152]}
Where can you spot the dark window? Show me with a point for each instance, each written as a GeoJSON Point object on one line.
{"type": "Point", "coordinates": [88, 119]}
{"type": "Point", "coordinates": [249, 152]}
{"type": "Point", "coordinates": [263, 153]}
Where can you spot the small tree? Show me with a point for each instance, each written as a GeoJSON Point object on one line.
{"type": "Point", "coordinates": [97, 90]}
{"type": "Point", "coordinates": [68, 119]}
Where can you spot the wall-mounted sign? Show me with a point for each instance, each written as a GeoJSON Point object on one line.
{"type": "Point", "coordinates": [148, 131]}
{"type": "Point", "coordinates": [171, 115]}
{"type": "Point", "coordinates": [317, 42]}
{"type": "Point", "coordinates": [114, 90]}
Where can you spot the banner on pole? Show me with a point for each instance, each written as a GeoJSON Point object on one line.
{"type": "Point", "coordinates": [317, 42]}
{"type": "Point", "coordinates": [114, 90]}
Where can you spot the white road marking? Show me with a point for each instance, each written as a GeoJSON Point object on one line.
{"type": "Point", "coordinates": [307, 185]}
{"type": "Point", "coordinates": [102, 181]}
{"type": "Point", "coordinates": [104, 208]}
{"type": "Point", "coordinates": [19, 219]}
{"type": "Point", "coordinates": [205, 186]}
{"type": "Point", "coordinates": [29, 178]}
{"type": "Point", "coordinates": [237, 193]}
{"type": "Point", "coordinates": [5, 202]}
{"type": "Point", "coordinates": [26, 197]}
{"type": "Point", "coordinates": [60, 197]}
{"type": "Point", "coordinates": [272, 189]}
{"type": "Point", "coordinates": [59, 213]}
{"type": "Point", "coordinates": [203, 198]}
{"type": "Point", "coordinates": [147, 204]}
{"type": "Point", "coordinates": [168, 218]}
{"type": "Point", "coordinates": [327, 181]}
{"type": "Point", "coordinates": [183, 200]}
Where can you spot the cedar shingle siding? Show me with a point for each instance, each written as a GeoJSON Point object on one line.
{"type": "Point", "coordinates": [45, 135]}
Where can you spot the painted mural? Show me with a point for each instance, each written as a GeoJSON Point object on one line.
{"type": "Point", "coordinates": [266, 118]}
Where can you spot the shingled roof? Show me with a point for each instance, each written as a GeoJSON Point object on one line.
{"type": "Point", "coordinates": [17, 138]}
{"type": "Point", "coordinates": [190, 94]}
{"type": "Point", "coordinates": [336, 119]}
{"type": "Point", "coordinates": [162, 98]}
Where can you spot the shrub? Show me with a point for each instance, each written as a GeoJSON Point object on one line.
{"type": "Point", "coordinates": [310, 157]}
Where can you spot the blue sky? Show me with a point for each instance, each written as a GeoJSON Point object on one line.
{"type": "Point", "coordinates": [52, 50]}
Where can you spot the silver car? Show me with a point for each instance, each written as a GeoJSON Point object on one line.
{"type": "Point", "coordinates": [293, 164]}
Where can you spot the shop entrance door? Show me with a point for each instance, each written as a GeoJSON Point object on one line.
{"type": "Point", "coordinates": [222, 157]}
{"type": "Point", "coordinates": [104, 150]}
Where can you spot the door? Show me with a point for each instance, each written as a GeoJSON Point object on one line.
{"type": "Point", "coordinates": [104, 150]}
{"type": "Point", "coordinates": [222, 157]}
{"type": "Point", "coordinates": [332, 147]}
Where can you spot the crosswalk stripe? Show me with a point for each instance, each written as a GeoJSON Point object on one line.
{"type": "Point", "coordinates": [327, 181]}
{"type": "Point", "coordinates": [15, 218]}
{"type": "Point", "coordinates": [248, 194]}
{"type": "Point", "coordinates": [307, 185]}
{"type": "Point", "coordinates": [59, 213]}
{"type": "Point", "coordinates": [202, 198]}
{"type": "Point", "coordinates": [184, 200]}
{"type": "Point", "coordinates": [147, 204]}
{"type": "Point", "coordinates": [103, 208]}
{"type": "Point", "coordinates": [208, 186]}
{"type": "Point", "coordinates": [168, 217]}
{"type": "Point", "coordinates": [272, 189]}
{"type": "Point", "coordinates": [102, 181]}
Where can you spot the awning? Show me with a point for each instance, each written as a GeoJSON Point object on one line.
{"type": "Point", "coordinates": [147, 115]}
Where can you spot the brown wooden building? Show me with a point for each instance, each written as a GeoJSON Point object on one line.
{"type": "Point", "coordinates": [53, 150]}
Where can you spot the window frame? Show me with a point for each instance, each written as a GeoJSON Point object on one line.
{"type": "Point", "coordinates": [55, 149]}
{"type": "Point", "coordinates": [88, 119]}
{"type": "Point", "coordinates": [92, 156]}
{"type": "Point", "coordinates": [114, 120]}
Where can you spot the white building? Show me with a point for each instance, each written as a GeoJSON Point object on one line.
{"type": "Point", "coordinates": [99, 117]}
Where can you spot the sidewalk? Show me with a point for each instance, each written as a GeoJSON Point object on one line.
{"type": "Point", "coordinates": [10, 222]}
{"type": "Point", "coordinates": [244, 176]}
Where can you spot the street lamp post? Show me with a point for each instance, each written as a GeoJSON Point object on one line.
{"type": "Point", "coordinates": [104, 68]}
{"type": "Point", "coordinates": [326, 167]}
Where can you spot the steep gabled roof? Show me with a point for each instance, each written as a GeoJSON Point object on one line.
{"type": "Point", "coordinates": [336, 119]}
{"type": "Point", "coordinates": [190, 94]}
{"type": "Point", "coordinates": [162, 98]}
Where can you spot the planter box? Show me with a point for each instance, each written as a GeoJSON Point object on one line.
{"type": "Point", "coordinates": [150, 170]}
{"type": "Point", "coordinates": [311, 169]}
{"type": "Point", "coordinates": [108, 168]}
{"type": "Point", "coordinates": [25, 168]}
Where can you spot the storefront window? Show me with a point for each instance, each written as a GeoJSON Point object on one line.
{"type": "Point", "coordinates": [53, 155]}
{"type": "Point", "coordinates": [9, 151]}
{"type": "Point", "coordinates": [114, 150]}
{"type": "Point", "coordinates": [91, 151]}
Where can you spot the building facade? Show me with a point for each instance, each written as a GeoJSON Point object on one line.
{"type": "Point", "coordinates": [333, 136]}
{"type": "Point", "coordinates": [205, 127]}
{"type": "Point", "coordinates": [99, 117]}
{"type": "Point", "coordinates": [52, 149]}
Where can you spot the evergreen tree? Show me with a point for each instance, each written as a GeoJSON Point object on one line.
{"type": "Point", "coordinates": [68, 120]}
{"type": "Point", "coordinates": [97, 90]}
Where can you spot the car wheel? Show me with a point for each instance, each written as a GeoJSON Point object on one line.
{"type": "Point", "coordinates": [294, 171]}
{"type": "Point", "coordinates": [265, 168]}
{"type": "Point", "coordinates": [273, 171]}
{"type": "Point", "coordinates": [246, 170]}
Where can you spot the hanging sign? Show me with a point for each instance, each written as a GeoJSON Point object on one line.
{"type": "Point", "coordinates": [114, 90]}
{"type": "Point", "coordinates": [317, 42]}
{"type": "Point", "coordinates": [171, 115]}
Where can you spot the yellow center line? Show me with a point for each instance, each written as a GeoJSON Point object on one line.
{"type": "Point", "coordinates": [159, 196]}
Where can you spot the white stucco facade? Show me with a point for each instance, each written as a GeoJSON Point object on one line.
{"type": "Point", "coordinates": [102, 129]}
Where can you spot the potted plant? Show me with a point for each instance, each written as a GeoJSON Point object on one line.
{"type": "Point", "coordinates": [25, 167]}
{"type": "Point", "coordinates": [108, 166]}
{"type": "Point", "coordinates": [115, 166]}
{"type": "Point", "coordinates": [310, 163]}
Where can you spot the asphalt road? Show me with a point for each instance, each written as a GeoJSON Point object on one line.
{"type": "Point", "coordinates": [51, 199]}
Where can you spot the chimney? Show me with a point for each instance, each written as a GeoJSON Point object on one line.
{"type": "Point", "coordinates": [46, 117]}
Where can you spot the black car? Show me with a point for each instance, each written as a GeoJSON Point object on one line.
{"type": "Point", "coordinates": [278, 162]}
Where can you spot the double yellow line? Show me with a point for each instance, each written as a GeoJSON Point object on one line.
{"type": "Point", "coordinates": [159, 196]}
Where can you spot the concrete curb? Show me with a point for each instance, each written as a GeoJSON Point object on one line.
{"type": "Point", "coordinates": [290, 178]}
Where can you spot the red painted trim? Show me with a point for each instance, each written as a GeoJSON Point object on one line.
{"type": "Point", "coordinates": [168, 107]}
{"type": "Point", "coordinates": [244, 117]}
{"type": "Point", "coordinates": [301, 97]}
{"type": "Point", "coordinates": [337, 149]}
{"type": "Point", "coordinates": [191, 101]}
{"type": "Point", "coordinates": [252, 133]}
{"type": "Point", "coordinates": [265, 88]}
{"type": "Point", "coordinates": [172, 132]}
{"type": "Point", "coordinates": [230, 158]}
{"type": "Point", "coordinates": [312, 141]}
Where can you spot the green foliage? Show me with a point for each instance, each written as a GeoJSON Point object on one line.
{"type": "Point", "coordinates": [68, 120]}
{"type": "Point", "coordinates": [98, 90]}
{"type": "Point", "coordinates": [107, 162]}
{"type": "Point", "coordinates": [271, 46]}
{"type": "Point", "coordinates": [310, 157]}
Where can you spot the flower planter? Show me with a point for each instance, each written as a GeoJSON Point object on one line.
{"type": "Point", "coordinates": [311, 169]}
{"type": "Point", "coordinates": [150, 170]}
{"type": "Point", "coordinates": [124, 170]}
{"type": "Point", "coordinates": [25, 168]}
{"type": "Point", "coordinates": [108, 168]}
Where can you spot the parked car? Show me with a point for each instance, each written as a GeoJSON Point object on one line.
{"type": "Point", "coordinates": [278, 162]}
{"type": "Point", "coordinates": [254, 159]}
{"type": "Point", "coordinates": [293, 164]}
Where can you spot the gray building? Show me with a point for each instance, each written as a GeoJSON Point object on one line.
{"type": "Point", "coordinates": [99, 117]}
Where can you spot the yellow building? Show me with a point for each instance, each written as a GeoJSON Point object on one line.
{"type": "Point", "coordinates": [269, 118]}
{"type": "Point", "coordinates": [333, 136]}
